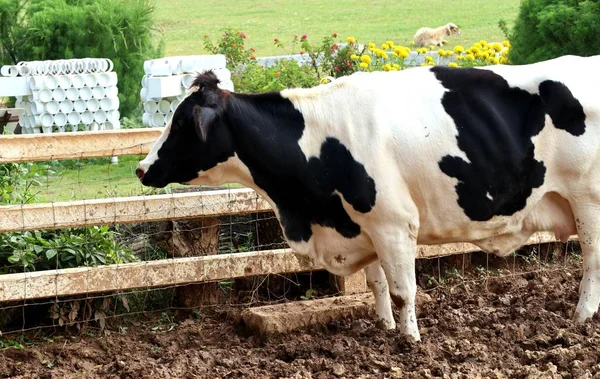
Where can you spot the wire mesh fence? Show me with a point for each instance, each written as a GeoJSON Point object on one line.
{"type": "Point", "coordinates": [84, 244]}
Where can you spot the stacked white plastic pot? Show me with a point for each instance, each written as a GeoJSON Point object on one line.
{"type": "Point", "coordinates": [167, 81]}
{"type": "Point", "coordinates": [65, 94]}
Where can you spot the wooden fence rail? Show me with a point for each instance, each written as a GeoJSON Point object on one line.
{"type": "Point", "coordinates": [74, 145]}
{"type": "Point", "coordinates": [122, 210]}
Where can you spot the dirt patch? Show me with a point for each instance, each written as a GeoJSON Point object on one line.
{"type": "Point", "coordinates": [513, 327]}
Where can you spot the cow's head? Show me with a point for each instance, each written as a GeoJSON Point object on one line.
{"type": "Point", "coordinates": [193, 148]}
{"type": "Point", "coordinates": [452, 29]}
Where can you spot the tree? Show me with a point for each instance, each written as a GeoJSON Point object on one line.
{"type": "Point", "coordinates": [121, 30]}
{"type": "Point", "coordinates": [547, 29]}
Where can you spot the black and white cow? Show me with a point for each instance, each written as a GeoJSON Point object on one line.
{"type": "Point", "coordinates": [361, 170]}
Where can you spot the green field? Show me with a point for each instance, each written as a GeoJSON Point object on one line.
{"type": "Point", "coordinates": [185, 22]}
{"type": "Point", "coordinates": [96, 179]}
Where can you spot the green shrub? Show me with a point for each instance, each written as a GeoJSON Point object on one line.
{"type": "Point", "coordinates": [547, 29]}
{"type": "Point", "coordinates": [64, 248]}
{"type": "Point", "coordinates": [122, 30]}
{"type": "Point", "coordinates": [18, 182]}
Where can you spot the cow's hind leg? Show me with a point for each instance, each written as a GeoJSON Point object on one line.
{"type": "Point", "coordinates": [396, 249]}
{"type": "Point", "coordinates": [588, 230]}
{"type": "Point", "coordinates": [378, 284]}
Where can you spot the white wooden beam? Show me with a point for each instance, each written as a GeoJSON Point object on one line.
{"type": "Point", "coordinates": [170, 272]}
{"type": "Point", "coordinates": [133, 209]}
{"type": "Point", "coordinates": [74, 145]}
{"type": "Point", "coordinates": [159, 273]}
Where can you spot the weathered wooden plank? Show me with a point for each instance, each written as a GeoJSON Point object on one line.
{"type": "Point", "coordinates": [165, 272]}
{"type": "Point", "coordinates": [133, 209]}
{"type": "Point", "coordinates": [434, 251]}
{"type": "Point", "coordinates": [168, 272]}
{"type": "Point", "coordinates": [73, 145]}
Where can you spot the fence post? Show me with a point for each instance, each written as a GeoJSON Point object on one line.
{"type": "Point", "coordinates": [355, 283]}
{"type": "Point", "coordinates": [192, 238]}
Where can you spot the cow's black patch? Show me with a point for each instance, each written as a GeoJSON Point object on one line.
{"type": "Point", "coordinates": [266, 130]}
{"type": "Point", "coordinates": [565, 111]}
{"type": "Point", "coordinates": [495, 125]}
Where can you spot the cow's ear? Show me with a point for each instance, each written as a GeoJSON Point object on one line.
{"type": "Point", "coordinates": [203, 118]}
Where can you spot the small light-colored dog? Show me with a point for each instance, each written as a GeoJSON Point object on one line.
{"type": "Point", "coordinates": [429, 36]}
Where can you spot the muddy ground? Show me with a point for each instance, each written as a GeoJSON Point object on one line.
{"type": "Point", "coordinates": [512, 327]}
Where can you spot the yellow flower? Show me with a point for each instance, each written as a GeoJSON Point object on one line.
{"type": "Point", "coordinates": [422, 50]}
{"type": "Point", "coordinates": [423, 64]}
{"type": "Point", "coordinates": [452, 64]}
{"type": "Point", "coordinates": [505, 52]}
{"type": "Point", "coordinates": [364, 65]}
{"type": "Point", "coordinates": [483, 42]}
{"type": "Point", "coordinates": [428, 59]}
{"type": "Point", "coordinates": [431, 63]}
{"type": "Point", "coordinates": [470, 57]}
{"type": "Point", "coordinates": [460, 57]}
{"type": "Point", "coordinates": [493, 60]}
{"type": "Point", "coordinates": [385, 46]}
{"type": "Point", "coordinates": [324, 81]}
{"type": "Point", "coordinates": [366, 59]}
{"type": "Point", "coordinates": [506, 43]}
{"type": "Point", "coordinates": [351, 39]}
{"type": "Point", "coordinates": [477, 46]}
{"type": "Point", "coordinates": [384, 55]}
{"type": "Point", "coordinates": [354, 57]}
{"type": "Point", "coordinates": [390, 43]}
{"type": "Point", "coordinates": [503, 60]}
{"type": "Point", "coordinates": [404, 53]}
{"type": "Point", "coordinates": [387, 67]}
{"type": "Point", "coordinates": [497, 46]}
{"type": "Point", "coordinates": [458, 49]}
{"type": "Point", "coordinates": [431, 47]}
{"type": "Point", "coordinates": [372, 45]}
{"type": "Point", "coordinates": [395, 54]}
{"type": "Point", "coordinates": [449, 53]}
{"type": "Point", "coordinates": [441, 52]}
{"type": "Point", "coordinates": [396, 66]}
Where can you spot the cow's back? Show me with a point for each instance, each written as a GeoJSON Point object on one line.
{"type": "Point", "coordinates": [471, 150]}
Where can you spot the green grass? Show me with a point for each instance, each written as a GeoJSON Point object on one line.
{"type": "Point", "coordinates": [98, 179]}
{"type": "Point", "coordinates": [185, 22]}
{"type": "Point", "coordinates": [93, 179]}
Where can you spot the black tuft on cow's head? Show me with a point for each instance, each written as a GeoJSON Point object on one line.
{"type": "Point", "coordinates": [195, 142]}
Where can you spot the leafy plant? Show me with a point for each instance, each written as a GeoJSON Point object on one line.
{"type": "Point", "coordinates": [231, 44]}
{"type": "Point", "coordinates": [18, 182]}
{"type": "Point", "coordinates": [309, 295]}
{"type": "Point", "coordinates": [11, 344]}
{"type": "Point", "coordinates": [42, 250]}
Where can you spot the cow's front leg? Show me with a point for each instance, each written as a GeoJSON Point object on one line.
{"type": "Point", "coordinates": [378, 284]}
{"type": "Point", "coordinates": [396, 249]}
{"type": "Point", "coordinates": [588, 231]}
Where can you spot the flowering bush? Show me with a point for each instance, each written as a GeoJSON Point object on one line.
{"type": "Point", "coordinates": [391, 57]}
{"type": "Point", "coordinates": [333, 58]}
{"type": "Point", "coordinates": [232, 46]}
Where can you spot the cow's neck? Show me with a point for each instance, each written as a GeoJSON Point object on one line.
{"type": "Point", "coordinates": [266, 130]}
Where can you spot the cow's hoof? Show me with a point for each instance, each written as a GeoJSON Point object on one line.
{"type": "Point", "coordinates": [385, 324]}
